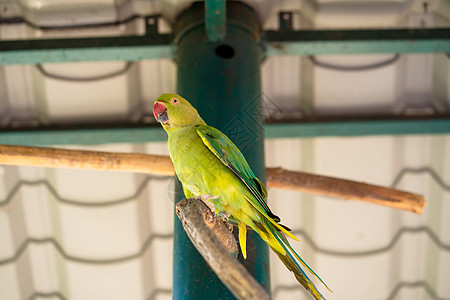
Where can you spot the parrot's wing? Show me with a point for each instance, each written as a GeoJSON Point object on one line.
{"type": "Point", "coordinates": [225, 150]}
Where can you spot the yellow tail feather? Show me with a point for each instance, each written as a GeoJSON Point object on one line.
{"type": "Point", "coordinates": [267, 236]}
{"type": "Point", "coordinates": [243, 238]}
{"type": "Point", "coordinates": [281, 228]}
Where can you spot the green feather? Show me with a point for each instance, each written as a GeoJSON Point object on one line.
{"type": "Point", "coordinates": [224, 149]}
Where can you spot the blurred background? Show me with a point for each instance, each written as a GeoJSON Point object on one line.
{"type": "Point", "coordinates": [78, 234]}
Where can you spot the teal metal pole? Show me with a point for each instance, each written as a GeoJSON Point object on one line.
{"type": "Point", "coordinates": [223, 82]}
{"type": "Point", "coordinates": [215, 19]}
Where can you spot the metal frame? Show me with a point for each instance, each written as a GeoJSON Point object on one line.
{"type": "Point", "coordinates": [153, 45]}
{"type": "Point", "coordinates": [319, 42]}
{"type": "Point", "coordinates": [285, 41]}
{"type": "Point", "coordinates": [145, 133]}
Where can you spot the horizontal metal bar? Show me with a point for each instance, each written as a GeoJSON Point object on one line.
{"type": "Point", "coordinates": [130, 48]}
{"type": "Point", "coordinates": [285, 42]}
{"type": "Point", "coordinates": [358, 128]}
{"type": "Point", "coordinates": [92, 54]}
{"type": "Point", "coordinates": [83, 136]}
{"type": "Point", "coordinates": [317, 42]}
{"type": "Point", "coordinates": [145, 134]}
{"type": "Point", "coordinates": [151, 45]}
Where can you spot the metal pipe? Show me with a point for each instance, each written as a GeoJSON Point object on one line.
{"type": "Point", "coordinates": [223, 82]}
{"type": "Point", "coordinates": [215, 19]}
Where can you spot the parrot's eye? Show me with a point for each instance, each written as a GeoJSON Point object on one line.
{"type": "Point", "coordinates": [174, 101]}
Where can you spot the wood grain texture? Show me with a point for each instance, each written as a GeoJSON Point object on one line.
{"type": "Point", "coordinates": [194, 215]}
{"type": "Point", "coordinates": [162, 165]}
{"type": "Point", "coordinates": [346, 189]}
{"type": "Point", "coordinates": [80, 159]}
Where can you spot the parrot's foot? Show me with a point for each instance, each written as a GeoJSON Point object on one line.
{"type": "Point", "coordinates": [205, 199]}
{"type": "Point", "coordinates": [224, 217]}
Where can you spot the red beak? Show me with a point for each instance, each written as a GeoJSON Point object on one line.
{"type": "Point", "coordinates": [160, 112]}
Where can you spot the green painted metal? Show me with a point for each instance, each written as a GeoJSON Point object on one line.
{"type": "Point", "coordinates": [223, 81]}
{"type": "Point", "coordinates": [151, 45]}
{"type": "Point", "coordinates": [215, 16]}
{"type": "Point", "coordinates": [358, 128]}
{"type": "Point", "coordinates": [317, 42]}
{"type": "Point", "coordinates": [82, 136]}
{"type": "Point", "coordinates": [121, 53]}
{"type": "Point", "coordinates": [140, 134]}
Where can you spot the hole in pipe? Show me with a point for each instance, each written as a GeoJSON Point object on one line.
{"type": "Point", "coordinates": [224, 51]}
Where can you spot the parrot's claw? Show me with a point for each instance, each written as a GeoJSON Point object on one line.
{"type": "Point", "coordinates": [205, 199]}
{"type": "Point", "coordinates": [223, 216]}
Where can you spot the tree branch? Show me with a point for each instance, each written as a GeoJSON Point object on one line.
{"type": "Point", "coordinates": [162, 165]}
{"type": "Point", "coordinates": [79, 159]}
{"type": "Point", "coordinates": [346, 189]}
{"type": "Point", "coordinates": [195, 215]}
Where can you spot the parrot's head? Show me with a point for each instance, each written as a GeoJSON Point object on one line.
{"type": "Point", "coordinates": [173, 111]}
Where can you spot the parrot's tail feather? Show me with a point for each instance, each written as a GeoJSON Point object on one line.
{"type": "Point", "coordinates": [243, 238]}
{"type": "Point", "coordinates": [288, 256]}
{"type": "Point", "coordinates": [285, 227]}
{"type": "Point", "coordinates": [267, 237]}
{"type": "Point", "coordinates": [273, 222]}
{"type": "Point", "coordinates": [303, 279]}
{"type": "Point", "coordinates": [303, 262]}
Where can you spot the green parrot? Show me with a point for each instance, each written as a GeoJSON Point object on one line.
{"type": "Point", "coordinates": [208, 164]}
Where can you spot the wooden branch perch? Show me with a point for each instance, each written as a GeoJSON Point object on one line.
{"type": "Point", "coordinates": [346, 189]}
{"type": "Point", "coordinates": [195, 216]}
{"type": "Point", "coordinates": [162, 165]}
{"type": "Point", "coordinates": [79, 159]}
